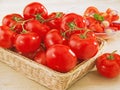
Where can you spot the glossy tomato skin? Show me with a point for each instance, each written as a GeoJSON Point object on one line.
{"type": "Point", "coordinates": [108, 68]}
{"type": "Point", "coordinates": [13, 21]}
{"type": "Point", "coordinates": [27, 42]}
{"type": "Point", "coordinates": [60, 58]}
{"type": "Point", "coordinates": [72, 22]}
{"type": "Point", "coordinates": [54, 20]}
{"type": "Point", "coordinates": [6, 37]}
{"type": "Point", "coordinates": [53, 37]}
{"type": "Point", "coordinates": [33, 9]}
{"type": "Point", "coordinates": [40, 57]}
{"type": "Point", "coordinates": [83, 48]}
{"type": "Point", "coordinates": [37, 27]}
{"type": "Point", "coordinates": [72, 18]}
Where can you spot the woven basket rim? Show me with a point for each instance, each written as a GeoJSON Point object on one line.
{"type": "Point", "coordinates": [76, 68]}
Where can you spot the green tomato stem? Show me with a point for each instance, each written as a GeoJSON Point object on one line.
{"type": "Point", "coordinates": [111, 56]}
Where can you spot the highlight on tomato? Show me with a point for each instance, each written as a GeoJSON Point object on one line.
{"type": "Point", "coordinates": [61, 58]}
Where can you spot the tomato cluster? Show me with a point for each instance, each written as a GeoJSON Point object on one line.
{"type": "Point", "coordinates": [58, 40]}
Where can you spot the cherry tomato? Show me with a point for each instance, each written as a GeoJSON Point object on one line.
{"type": "Point", "coordinates": [108, 65]}
{"type": "Point", "coordinates": [60, 58]}
{"type": "Point", "coordinates": [83, 46]}
{"type": "Point", "coordinates": [13, 21]}
{"type": "Point", "coordinates": [54, 20]}
{"type": "Point", "coordinates": [27, 42]}
{"type": "Point", "coordinates": [53, 37]}
{"type": "Point", "coordinates": [6, 37]}
{"type": "Point", "coordinates": [37, 27]}
{"type": "Point", "coordinates": [72, 22]}
{"type": "Point", "coordinates": [35, 10]}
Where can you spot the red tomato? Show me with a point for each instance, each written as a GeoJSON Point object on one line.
{"type": "Point", "coordinates": [72, 22]}
{"type": "Point", "coordinates": [54, 20]}
{"type": "Point", "coordinates": [13, 21]}
{"type": "Point", "coordinates": [35, 10]}
{"type": "Point", "coordinates": [6, 37]}
{"type": "Point", "coordinates": [40, 57]}
{"type": "Point", "coordinates": [37, 27]}
{"type": "Point", "coordinates": [30, 55]}
{"type": "Point", "coordinates": [91, 10]}
{"type": "Point", "coordinates": [27, 42]}
{"type": "Point", "coordinates": [60, 58]}
{"type": "Point", "coordinates": [53, 37]}
{"type": "Point", "coordinates": [108, 65]}
{"type": "Point", "coordinates": [83, 46]}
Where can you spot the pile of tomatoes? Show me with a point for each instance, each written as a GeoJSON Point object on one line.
{"type": "Point", "coordinates": [58, 40]}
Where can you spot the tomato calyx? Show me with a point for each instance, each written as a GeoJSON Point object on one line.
{"type": "Point", "coordinates": [84, 35]}
{"type": "Point", "coordinates": [17, 19]}
{"type": "Point", "coordinates": [72, 27]}
{"type": "Point", "coordinates": [39, 18]}
{"type": "Point", "coordinates": [111, 55]}
{"type": "Point", "coordinates": [58, 15]}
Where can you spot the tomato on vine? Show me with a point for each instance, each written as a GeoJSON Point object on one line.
{"type": "Point", "coordinates": [14, 21]}
{"type": "Point", "coordinates": [84, 45]}
{"type": "Point", "coordinates": [53, 37]}
{"type": "Point", "coordinates": [35, 10]}
{"type": "Point", "coordinates": [37, 27]}
{"type": "Point", "coordinates": [71, 23]}
{"type": "Point", "coordinates": [6, 37]}
{"type": "Point", "coordinates": [27, 42]}
{"type": "Point", "coordinates": [54, 20]}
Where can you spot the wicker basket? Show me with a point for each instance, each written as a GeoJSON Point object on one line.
{"type": "Point", "coordinates": [45, 76]}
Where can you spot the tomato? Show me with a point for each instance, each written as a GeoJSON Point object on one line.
{"type": "Point", "coordinates": [29, 55]}
{"type": "Point", "coordinates": [40, 57]}
{"type": "Point", "coordinates": [54, 20]}
{"type": "Point", "coordinates": [6, 37]}
{"type": "Point", "coordinates": [60, 58]}
{"type": "Point", "coordinates": [71, 23]}
{"type": "Point", "coordinates": [13, 21]}
{"type": "Point", "coordinates": [85, 47]}
{"type": "Point", "coordinates": [53, 37]}
{"type": "Point", "coordinates": [37, 27]}
{"type": "Point", "coordinates": [35, 10]}
{"type": "Point", "coordinates": [108, 65]}
{"type": "Point", "coordinates": [27, 42]}
{"type": "Point", "coordinates": [90, 11]}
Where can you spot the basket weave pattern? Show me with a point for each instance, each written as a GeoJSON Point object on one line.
{"type": "Point", "coordinates": [44, 75]}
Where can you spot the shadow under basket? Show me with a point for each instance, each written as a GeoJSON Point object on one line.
{"type": "Point", "coordinates": [45, 76]}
